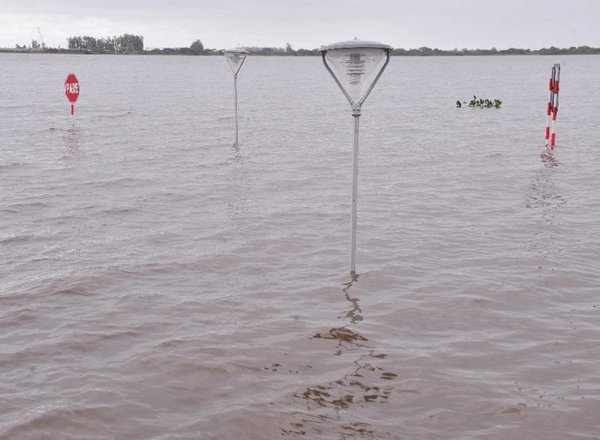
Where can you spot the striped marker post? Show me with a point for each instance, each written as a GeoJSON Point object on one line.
{"type": "Point", "coordinates": [552, 108]}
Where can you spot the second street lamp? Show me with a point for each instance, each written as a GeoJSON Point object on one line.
{"type": "Point", "coordinates": [235, 59]}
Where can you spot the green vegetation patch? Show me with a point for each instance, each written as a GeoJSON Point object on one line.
{"type": "Point", "coordinates": [480, 103]}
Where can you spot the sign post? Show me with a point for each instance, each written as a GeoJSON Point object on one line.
{"type": "Point", "coordinates": [72, 90]}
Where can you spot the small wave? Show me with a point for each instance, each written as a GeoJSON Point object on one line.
{"type": "Point", "coordinates": [18, 207]}
{"type": "Point", "coordinates": [111, 116]}
{"type": "Point", "coordinates": [62, 286]}
{"type": "Point", "coordinates": [54, 423]}
{"type": "Point", "coordinates": [15, 239]}
{"type": "Point", "coordinates": [12, 165]}
{"type": "Point", "coordinates": [118, 211]}
{"type": "Point", "coordinates": [72, 291]}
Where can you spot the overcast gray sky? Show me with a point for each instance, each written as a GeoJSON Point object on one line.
{"type": "Point", "coordinates": [445, 24]}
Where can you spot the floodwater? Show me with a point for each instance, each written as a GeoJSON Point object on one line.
{"type": "Point", "coordinates": [159, 282]}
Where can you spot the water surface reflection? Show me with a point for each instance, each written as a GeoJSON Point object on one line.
{"type": "Point", "coordinates": [336, 405]}
{"type": "Point", "coordinates": [545, 200]}
{"type": "Point", "coordinates": [72, 140]}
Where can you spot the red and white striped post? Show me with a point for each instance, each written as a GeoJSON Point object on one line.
{"type": "Point", "coordinates": [552, 108]}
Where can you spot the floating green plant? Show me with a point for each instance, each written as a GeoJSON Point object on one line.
{"type": "Point", "coordinates": [480, 103]}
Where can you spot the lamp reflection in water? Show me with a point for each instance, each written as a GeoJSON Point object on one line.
{"type": "Point", "coordinates": [334, 408]}
{"type": "Point", "coordinates": [235, 59]}
{"type": "Point", "coordinates": [356, 66]}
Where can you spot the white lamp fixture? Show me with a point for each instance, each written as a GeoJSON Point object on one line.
{"type": "Point", "coordinates": [356, 67]}
{"type": "Point", "coordinates": [235, 59]}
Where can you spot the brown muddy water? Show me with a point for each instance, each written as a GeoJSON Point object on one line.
{"type": "Point", "coordinates": [157, 282]}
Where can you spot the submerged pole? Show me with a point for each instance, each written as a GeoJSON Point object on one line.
{"type": "Point", "coordinates": [555, 87]}
{"type": "Point", "coordinates": [236, 107]}
{"type": "Point", "coordinates": [356, 115]}
{"type": "Point", "coordinates": [549, 107]}
{"type": "Point", "coordinates": [552, 108]}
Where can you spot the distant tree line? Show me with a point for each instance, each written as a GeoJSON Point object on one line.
{"type": "Point", "coordinates": [126, 43]}
{"type": "Point", "coordinates": [196, 48]}
{"type": "Point", "coordinates": [580, 50]}
{"type": "Point", "coordinates": [426, 51]}
{"type": "Point", "coordinates": [280, 51]}
{"type": "Point", "coordinates": [35, 46]}
{"type": "Point", "coordinates": [134, 44]}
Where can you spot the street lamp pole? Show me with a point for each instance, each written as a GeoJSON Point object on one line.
{"type": "Point", "coordinates": [235, 59]}
{"type": "Point", "coordinates": [356, 66]}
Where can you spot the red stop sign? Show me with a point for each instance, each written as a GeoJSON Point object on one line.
{"type": "Point", "coordinates": [72, 87]}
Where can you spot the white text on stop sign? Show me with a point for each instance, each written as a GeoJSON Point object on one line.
{"type": "Point", "coordinates": [72, 88]}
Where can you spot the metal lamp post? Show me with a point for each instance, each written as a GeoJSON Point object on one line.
{"type": "Point", "coordinates": [355, 66]}
{"type": "Point", "coordinates": [235, 59]}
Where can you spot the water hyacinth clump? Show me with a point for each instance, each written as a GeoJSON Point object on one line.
{"type": "Point", "coordinates": [480, 103]}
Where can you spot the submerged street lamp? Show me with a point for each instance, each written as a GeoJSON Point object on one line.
{"type": "Point", "coordinates": [355, 66]}
{"type": "Point", "coordinates": [235, 59]}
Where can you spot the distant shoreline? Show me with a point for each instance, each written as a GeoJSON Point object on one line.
{"type": "Point", "coordinates": [46, 51]}
{"type": "Point", "coordinates": [274, 51]}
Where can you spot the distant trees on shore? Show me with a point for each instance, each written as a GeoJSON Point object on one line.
{"type": "Point", "coordinates": [134, 44]}
{"type": "Point", "coordinates": [126, 43]}
{"type": "Point", "coordinates": [280, 51]}
{"type": "Point", "coordinates": [426, 51]}
{"type": "Point", "coordinates": [196, 48]}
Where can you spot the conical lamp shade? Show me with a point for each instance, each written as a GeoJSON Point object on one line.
{"type": "Point", "coordinates": [235, 58]}
{"type": "Point", "coordinates": [356, 65]}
